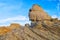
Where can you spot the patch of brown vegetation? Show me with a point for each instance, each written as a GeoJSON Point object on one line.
{"type": "Point", "coordinates": [4, 30]}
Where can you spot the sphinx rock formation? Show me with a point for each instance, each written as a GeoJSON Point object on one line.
{"type": "Point", "coordinates": [42, 27]}
{"type": "Point", "coordinates": [37, 13]}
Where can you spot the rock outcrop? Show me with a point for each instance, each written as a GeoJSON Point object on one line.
{"type": "Point", "coordinates": [37, 13]}
{"type": "Point", "coordinates": [14, 26]}
{"type": "Point", "coordinates": [42, 27]}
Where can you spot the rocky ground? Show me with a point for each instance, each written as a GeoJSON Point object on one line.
{"type": "Point", "coordinates": [45, 32]}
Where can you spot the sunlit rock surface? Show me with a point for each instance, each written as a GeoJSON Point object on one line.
{"type": "Point", "coordinates": [37, 13]}
{"type": "Point", "coordinates": [41, 28]}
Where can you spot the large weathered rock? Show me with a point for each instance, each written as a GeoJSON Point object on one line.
{"type": "Point", "coordinates": [37, 13]}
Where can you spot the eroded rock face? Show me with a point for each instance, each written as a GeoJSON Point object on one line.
{"type": "Point", "coordinates": [38, 16]}
{"type": "Point", "coordinates": [28, 33]}
{"type": "Point", "coordinates": [37, 13]}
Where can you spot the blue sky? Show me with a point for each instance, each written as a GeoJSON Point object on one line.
{"type": "Point", "coordinates": [16, 11]}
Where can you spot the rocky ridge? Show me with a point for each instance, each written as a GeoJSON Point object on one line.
{"type": "Point", "coordinates": [42, 27]}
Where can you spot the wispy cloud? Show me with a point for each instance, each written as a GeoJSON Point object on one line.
{"type": "Point", "coordinates": [54, 16]}
{"type": "Point", "coordinates": [17, 18]}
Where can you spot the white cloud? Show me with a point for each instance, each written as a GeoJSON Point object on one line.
{"type": "Point", "coordinates": [22, 20]}
{"type": "Point", "coordinates": [54, 16]}
{"type": "Point", "coordinates": [17, 18]}
{"type": "Point", "coordinates": [4, 25]}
